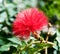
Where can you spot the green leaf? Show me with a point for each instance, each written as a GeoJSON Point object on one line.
{"type": "Point", "coordinates": [1, 26]}
{"type": "Point", "coordinates": [24, 43]}
{"type": "Point", "coordinates": [10, 6]}
{"type": "Point", "coordinates": [1, 42]}
{"type": "Point", "coordinates": [58, 36]}
{"type": "Point", "coordinates": [5, 29]}
{"type": "Point", "coordinates": [3, 16]}
{"type": "Point", "coordinates": [11, 12]}
{"type": "Point", "coordinates": [15, 40]}
{"type": "Point", "coordinates": [1, 7]}
{"type": "Point", "coordinates": [23, 52]}
{"type": "Point", "coordinates": [55, 46]}
{"type": "Point", "coordinates": [5, 47]}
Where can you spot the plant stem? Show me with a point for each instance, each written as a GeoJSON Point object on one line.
{"type": "Point", "coordinates": [37, 36]}
{"type": "Point", "coordinates": [33, 42]}
{"type": "Point", "coordinates": [41, 40]}
{"type": "Point", "coordinates": [46, 49]}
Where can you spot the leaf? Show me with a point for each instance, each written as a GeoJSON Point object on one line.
{"type": "Point", "coordinates": [10, 8]}
{"type": "Point", "coordinates": [23, 52]}
{"type": "Point", "coordinates": [1, 42]}
{"type": "Point", "coordinates": [58, 36]}
{"type": "Point", "coordinates": [5, 47]}
{"type": "Point", "coordinates": [15, 40]}
{"type": "Point", "coordinates": [5, 29]}
{"type": "Point", "coordinates": [1, 26]}
{"type": "Point", "coordinates": [11, 12]}
{"type": "Point", "coordinates": [3, 16]}
{"type": "Point", "coordinates": [57, 42]}
{"type": "Point", "coordinates": [24, 43]}
{"type": "Point", "coordinates": [55, 46]}
{"type": "Point", "coordinates": [1, 7]}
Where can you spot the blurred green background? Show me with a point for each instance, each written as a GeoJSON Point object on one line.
{"type": "Point", "coordinates": [8, 10]}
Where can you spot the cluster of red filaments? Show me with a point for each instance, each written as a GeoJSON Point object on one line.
{"type": "Point", "coordinates": [29, 20]}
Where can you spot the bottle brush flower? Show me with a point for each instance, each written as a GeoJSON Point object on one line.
{"type": "Point", "coordinates": [27, 21]}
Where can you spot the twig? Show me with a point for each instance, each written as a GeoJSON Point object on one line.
{"type": "Point", "coordinates": [46, 49]}
{"type": "Point", "coordinates": [37, 36]}
{"type": "Point", "coordinates": [33, 42]}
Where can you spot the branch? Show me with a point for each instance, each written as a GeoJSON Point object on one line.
{"type": "Point", "coordinates": [33, 42]}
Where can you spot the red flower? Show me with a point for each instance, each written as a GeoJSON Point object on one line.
{"type": "Point", "coordinates": [27, 21]}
